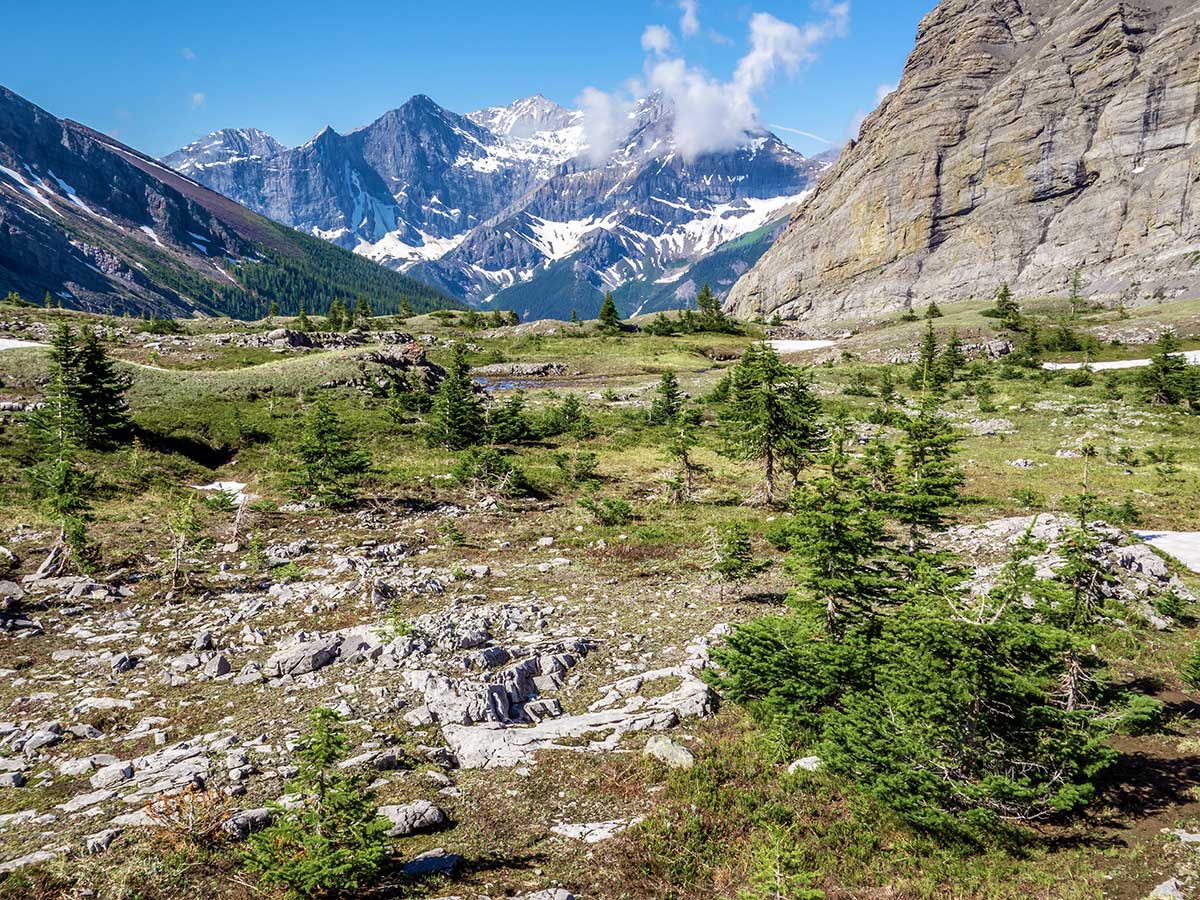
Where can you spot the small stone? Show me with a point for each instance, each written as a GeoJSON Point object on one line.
{"type": "Point", "coordinates": [12, 780]}
{"type": "Point", "coordinates": [98, 842]}
{"type": "Point", "coordinates": [675, 755]}
{"type": "Point", "coordinates": [410, 818]}
{"type": "Point", "coordinates": [111, 775]}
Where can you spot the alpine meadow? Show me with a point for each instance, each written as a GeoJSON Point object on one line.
{"type": "Point", "coordinates": [611, 497]}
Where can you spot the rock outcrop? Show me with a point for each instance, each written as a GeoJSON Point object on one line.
{"type": "Point", "coordinates": [1028, 139]}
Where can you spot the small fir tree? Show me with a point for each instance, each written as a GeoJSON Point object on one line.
{"type": "Point", "coordinates": [610, 319]}
{"type": "Point", "coordinates": [732, 557]}
{"type": "Point", "coordinates": [925, 376]}
{"type": "Point", "coordinates": [771, 416]}
{"type": "Point", "coordinates": [457, 419]}
{"type": "Point", "coordinates": [679, 450]}
{"type": "Point", "coordinates": [331, 464]}
{"type": "Point", "coordinates": [668, 400]}
{"type": "Point", "coordinates": [335, 841]}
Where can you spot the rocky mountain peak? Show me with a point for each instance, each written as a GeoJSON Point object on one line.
{"type": "Point", "coordinates": [525, 118]}
{"type": "Point", "coordinates": [224, 146]}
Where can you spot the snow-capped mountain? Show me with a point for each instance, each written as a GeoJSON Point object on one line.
{"type": "Point", "coordinates": [223, 148]}
{"type": "Point", "coordinates": [500, 207]}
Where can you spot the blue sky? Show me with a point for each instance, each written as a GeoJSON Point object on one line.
{"type": "Point", "coordinates": [157, 75]}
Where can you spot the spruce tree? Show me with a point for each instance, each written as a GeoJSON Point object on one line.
{"type": "Point", "coordinates": [929, 478]}
{"type": "Point", "coordinates": [273, 311]}
{"type": "Point", "coordinates": [507, 422]}
{"type": "Point", "coordinates": [1076, 298]}
{"type": "Point", "coordinates": [335, 841]}
{"type": "Point", "coordinates": [732, 556]}
{"type": "Point", "coordinates": [330, 462]}
{"type": "Point", "coordinates": [1168, 378]}
{"type": "Point", "coordinates": [678, 451]}
{"type": "Point", "coordinates": [932, 311]}
{"type": "Point", "coordinates": [668, 402]}
{"type": "Point", "coordinates": [771, 416]}
{"type": "Point", "coordinates": [1007, 309]}
{"type": "Point", "coordinates": [610, 320]}
{"type": "Point", "coordinates": [100, 392]}
{"type": "Point", "coordinates": [302, 322]}
{"type": "Point", "coordinates": [711, 317]}
{"type": "Point", "coordinates": [334, 317]}
{"type": "Point", "coordinates": [836, 541]}
{"type": "Point", "coordinates": [59, 482]}
{"type": "Point", "coordinates": [457, 419]}
{"type": "Point", "coordinates": [925, 375]}
{"type": "Point", "coordinates": [952, 359]}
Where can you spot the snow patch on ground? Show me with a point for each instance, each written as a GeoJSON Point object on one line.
{"type": "Point", "coordinates": [235, 489]}
{"type": "Point", "coordinates": [784, 347]}
{"type": "Point", "coordinates": [1192, 356]}
{"type": "Point", "coordinates": [28, 188]}
{"type": "Point", "coordinates": [1183, 545]}
{"type": "Point", "coordinates": [391, 248]}
{"type": "Point", "coordinates": [14, 344]}
{"type": "Point", "coordinates": [151, 233]}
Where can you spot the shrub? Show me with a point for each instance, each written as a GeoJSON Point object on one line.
{"type": "Point", "coordinates": [607, 510]}
{"type": "Point", "coordinates": [1189, 672]}
{"type": "Point", "coordinates": [1142, 715]}
{"type": "Point", "coordinates": [577, 466]}
{"type": "Point", "coordinates": [487, 470]}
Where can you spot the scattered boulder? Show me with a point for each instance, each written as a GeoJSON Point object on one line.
{"type": "Point", "coordinates": [410, 818]}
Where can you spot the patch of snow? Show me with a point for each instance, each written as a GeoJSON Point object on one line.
{"type": "Point", "coordinates": [392, 248]}
{"type": "Point", "coordinates": [235, 489]}
{"type": "Point", "coordinates": [1192, 356]}
{"type": "Point", "coordinates": [1183, 545]}
{"type": "Point", "coordinates": [14, 344]}
{"type": "Point", "coordinates": [784, 347]}
{"type": "Point", "coordinates": [150, 231]}
{"type": "Point", "coordinates": [28, 188]}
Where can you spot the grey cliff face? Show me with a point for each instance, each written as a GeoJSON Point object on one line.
{"type": "Point", "coordinates": [1027, 140]}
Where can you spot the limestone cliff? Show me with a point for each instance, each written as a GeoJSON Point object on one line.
{"type": "Point", "coordinates": [1027, 139]}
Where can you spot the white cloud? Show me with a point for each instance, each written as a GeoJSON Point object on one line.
{"type": "Point", "coordinates": [710, 114]}
{"type": "Point", "coordinates": [777, 44]}
{"type": "Point", "coordinates": [657, 39]}
{"type": "Point", "coordinates": [198, 100]}
{"type": "Point", "coordinates": [605, 121]}
{"type": "Point", "coordinates": [689, 22]}
{"type": "Point", "coordinates": [882, 92]}
{"type": "Point", "coordinates": [187, 53]}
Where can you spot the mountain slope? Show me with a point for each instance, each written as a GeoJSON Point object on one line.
{"type": "Point", "coordinates": [498, 206]}
{"type": "Point", "coordinates": [1026, 140]}
{"type": "Point", "coordinates": [103, 227]}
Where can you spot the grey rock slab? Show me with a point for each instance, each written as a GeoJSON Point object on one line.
{"type": "Point", "coordinates": [410, 818]}
{"type": "Point", "coordinates": [434, 862]}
